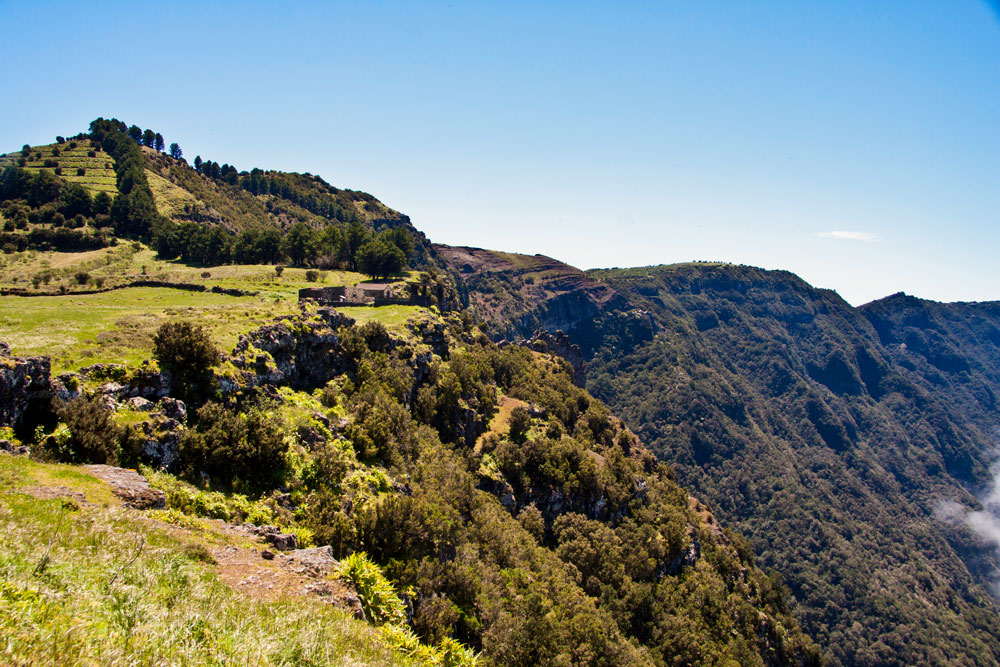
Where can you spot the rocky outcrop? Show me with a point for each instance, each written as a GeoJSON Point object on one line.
{"type": "Point", "coordinates": [8, 447]}
{"type": "Point", "coordinates": [121, 383]}
{"type": "Point", "coordinates": [300, 352]}
{"type": "Point", "coordinates": [558, 343]}
{"type": "Point", "coordinates": [516, 295]}
{"type": "Point", "coordinates": [130, 486]}
{"type": "Point", "coordinates": [25, 386]}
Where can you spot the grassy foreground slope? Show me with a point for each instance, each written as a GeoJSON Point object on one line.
{"type": "Point", "coordinates": [86, 581]}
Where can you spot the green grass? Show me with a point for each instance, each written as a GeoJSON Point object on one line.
{"type": "Point", "coordinates": [128, 262]}
{"type": "Point", "coordinates": [118, 326]}
{"type": "Point", "coordinates": [393, 317]}
{"type": "Point", "coordinates": [84, 584]}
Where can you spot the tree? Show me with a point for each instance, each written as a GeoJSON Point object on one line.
{"type": "Point", "coordinates": [158, 142]}
{"type": "Point", "coordinates": [355, 237]}
{"type": "Point", "coordinates": [175, 151]}
{"type": "Point", "coordinates": [60, 140]}
{"type": "Point", "coordinates": [520, 422]}
{"type": "Point", "coordinates": [188, 353]}
{"type": "Point", "coordinates": [300, 244]}
{"type": "Point", "coordinates": [101, 204]}
{"type": "Point", "coordinates": [148, 138]}
{"type": "Point", "coordinates": [75, 200]}
{"type": "Point", "coordinates": [197, 163]}
{"type": "Point", "coordinates": [380, 259]}
{"type": "Point", "coordinates": [135, 134]}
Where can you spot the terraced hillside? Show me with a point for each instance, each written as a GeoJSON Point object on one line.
{"type": "Point", "coordinates": [75, 161]}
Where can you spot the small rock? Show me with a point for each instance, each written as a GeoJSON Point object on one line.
{"type": "Point", "coordinates": [139, 403]}
{"type": "Point", "coordinates": [173, 408]}
{"type": "Point", "coordinates": [112, 389]}
{"type": "Point", "coordinates": [267, 555]}
{"type": "Point", "coordinates": [282, 541]}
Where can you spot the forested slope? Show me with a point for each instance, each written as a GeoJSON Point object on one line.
{"type": "Point", "coordinates": [831, 436]}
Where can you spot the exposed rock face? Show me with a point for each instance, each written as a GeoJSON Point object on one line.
{"type": "Point", "coordinates": [25, 386]}
{"type": "Point", "coordinates": [519, 294]}
{"type": "Point", "coordinates": [131, 487]}
{"type": "Point", "coordinates": [163, 434]}
{"type": "Point", "coordinates": [302, 353]}
{"type": "Point", "coordinates": [560, 345]}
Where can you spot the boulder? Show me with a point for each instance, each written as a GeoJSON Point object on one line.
{"type": "Point", "coordinates": [8, 447]}
{"type": "Point", "coordinates": [173, 408]}
{"type": "Point", "coordinates": [319, 561]}
{"type": "Point", "coordinates": [130, 486]}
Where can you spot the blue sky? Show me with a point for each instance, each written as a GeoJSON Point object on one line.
{"type": "Point", "coordinates": [854, 143]}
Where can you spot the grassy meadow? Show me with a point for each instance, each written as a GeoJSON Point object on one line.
{"type": "Point", "coordinates": [77, 329]}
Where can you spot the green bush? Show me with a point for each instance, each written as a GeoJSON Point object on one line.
{"type": "Point", "coordinates": [236, 450]}
{"type": "Point", "coordinates": [188, 353]}
{"type": "Point", "coordinates": [91, 435]}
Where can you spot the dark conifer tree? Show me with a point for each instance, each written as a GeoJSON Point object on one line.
{"type": "Point", "coordinates": [158, 142]}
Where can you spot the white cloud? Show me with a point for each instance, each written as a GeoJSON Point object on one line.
{"type": "Point", "coordinates": [851, 236]}
{"type": "Point", "coordinates": [985, 522]}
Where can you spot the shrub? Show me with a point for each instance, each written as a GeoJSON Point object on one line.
{"type": "Point", "coordinates": [99, 282]}
{"type": "Point", "coordinates": [58, 171]}
{"type": "Point", "coordinates": [82, 278]}
{"type": "Point", "coordinates": [49, 163]}
{"type": "Point", "coordinates": [520, 422]}
{"type": "Point", "coordinates": [72, 144]}
{"type": "Point", "coordinates": [188, 353]}
{"type": "Point", "coordinates": [91, 435]}
{"type": "Point", "coordinates": [206, 274]}
{"type": "Point", "coordinates": [80, 171]}
{"type": "Point", "coordinates": [278, 270]}
{"type": "Point", "coordinates": [235, 450]}
{"type": "Point", "coordinates": [312, 275]}
{"type": "Point", "coordinates": [55, 151]}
